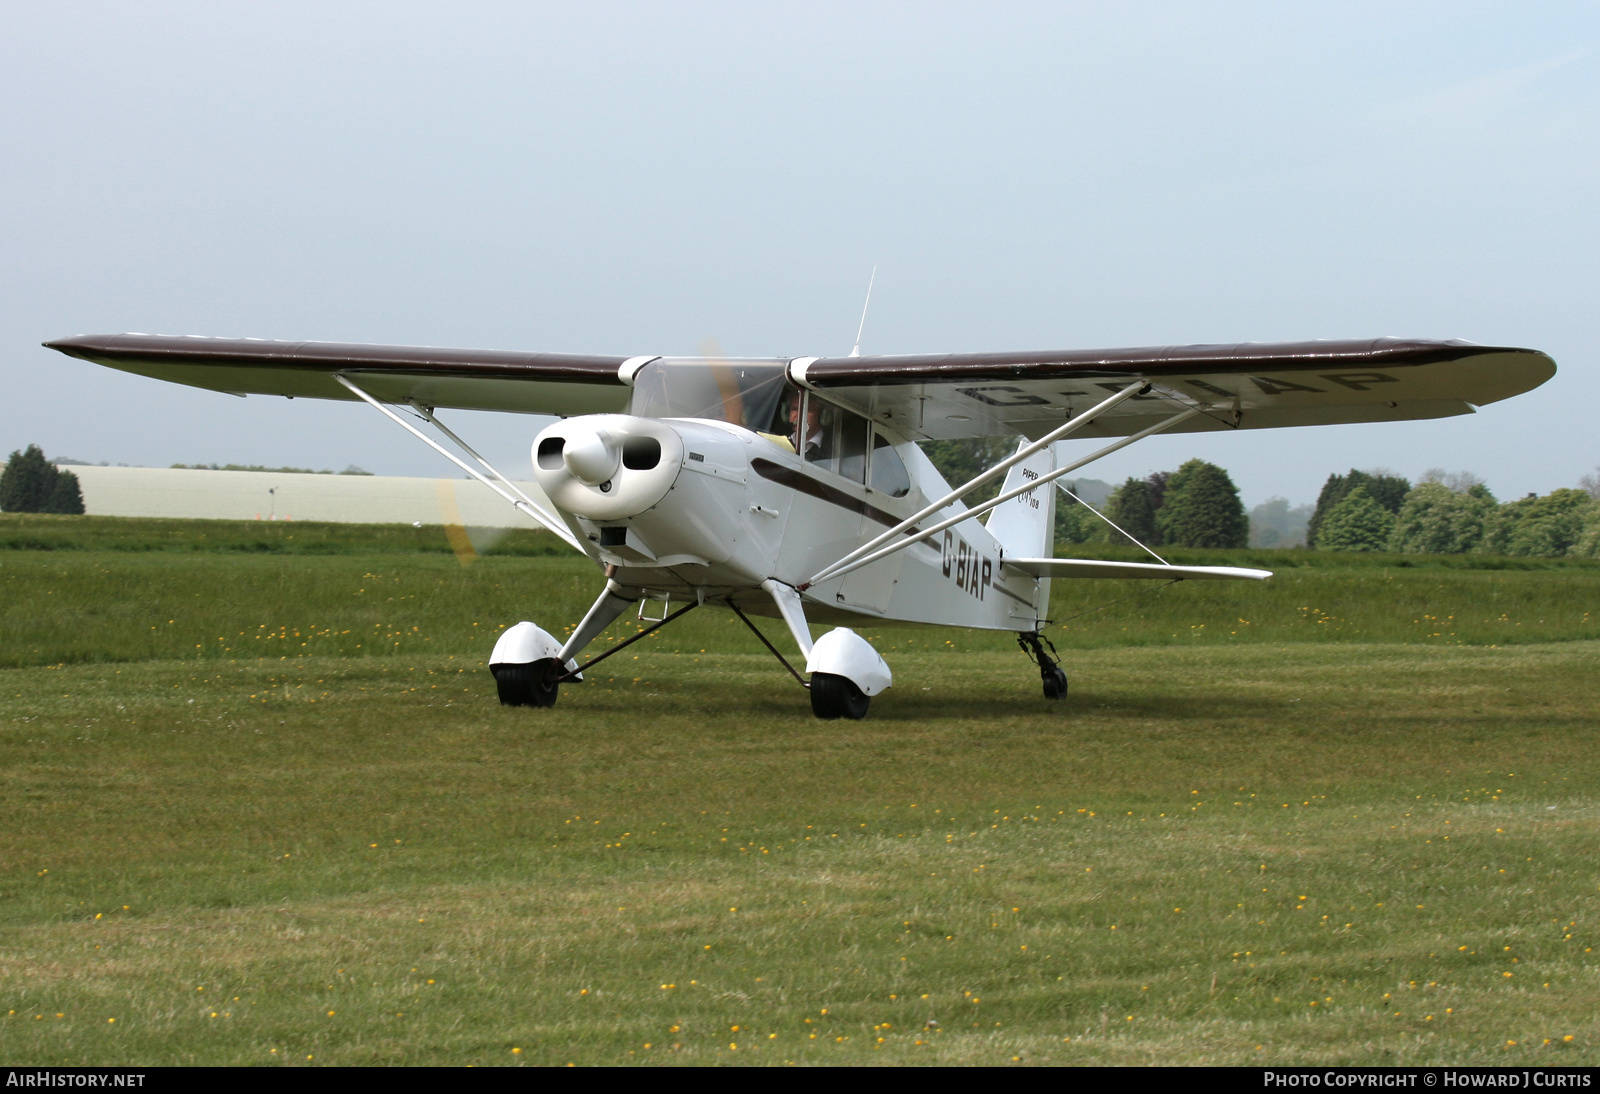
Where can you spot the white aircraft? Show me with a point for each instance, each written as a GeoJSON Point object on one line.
{"type": "Point", "coordinates": [794, 488]}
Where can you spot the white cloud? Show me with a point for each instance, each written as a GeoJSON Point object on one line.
{"type": "Point", "coordinates": [1471, 99]}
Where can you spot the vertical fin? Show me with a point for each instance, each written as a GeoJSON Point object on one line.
{"type": "Point", "coordinates": [1025, 525]}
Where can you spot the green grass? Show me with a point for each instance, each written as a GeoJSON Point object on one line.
{"type": "Point", "coordinates": [78, 606]}
{"type": "Point", "coordinates": [1209, 836]}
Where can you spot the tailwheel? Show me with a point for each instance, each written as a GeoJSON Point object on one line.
{"type": "Point", "coordinates": [531, 685]}
{"type": "Point", "coordinates": [1050, 671]}
{"type": "Point", "coordinates": [836, 697]}
{"type": "Point", "coordinates": [1055, 682]}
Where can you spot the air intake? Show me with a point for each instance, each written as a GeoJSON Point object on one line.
{"type": "Point", "coordinates": [550, 453]}
{"type": "Point", "coordinates": [640, 453]}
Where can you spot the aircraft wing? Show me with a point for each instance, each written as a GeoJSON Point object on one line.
{"type": "Point", "coordinates": [469, 379]}
{"type": "Point", "coordinates": [1092, 567]}
{"type": "Point", "coordinates": [1253, 385]}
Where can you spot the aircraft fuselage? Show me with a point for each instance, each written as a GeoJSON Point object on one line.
{"type": "Point", "coordinates": [695, 508]}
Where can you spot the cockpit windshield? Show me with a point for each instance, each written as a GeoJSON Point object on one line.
{"type": "Point", "coordinates": [744, 392]}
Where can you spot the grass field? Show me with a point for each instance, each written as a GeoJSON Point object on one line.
{"type": "Point", "coordinates": [1358, 828]}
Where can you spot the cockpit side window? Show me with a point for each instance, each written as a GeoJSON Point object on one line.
{"type": "Point", "coordinates": [784, 428]}
{"type": "Point", "coordinates": [834, 439]}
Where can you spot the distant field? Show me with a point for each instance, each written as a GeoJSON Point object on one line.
{"type": "Point", "coordinates": [47, 533]}
{"type": "Point", "coordinates": [134, 590]}
{"type": "Point", "coordinates": [293, 826]}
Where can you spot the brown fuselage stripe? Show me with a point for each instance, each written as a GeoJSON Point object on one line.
{"type": "Point", "coordinates": [798, 480]}
{"type": "Point", "coordinates": [1002, 589]}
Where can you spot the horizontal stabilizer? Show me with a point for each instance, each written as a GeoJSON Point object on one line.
{"type": "Point", "coordinates": [1094, 567]}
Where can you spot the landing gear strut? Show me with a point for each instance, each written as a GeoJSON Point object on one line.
{"type": "Point", "coordinates": [1054, 679]}
{"type": "Point", "coordinates": [527, 675]}
{"type": "Point", "coordinates": [846, 672]}
{"type": "Point", "coordinates": [832, 695]}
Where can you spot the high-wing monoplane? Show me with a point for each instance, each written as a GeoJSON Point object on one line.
{"type": "Point", "coordinates": [794, 489]}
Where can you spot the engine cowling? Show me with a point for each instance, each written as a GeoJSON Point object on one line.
{"type": "Point", "coordinates": [607, 466]}
{"type": "Point", "coordinates": [648, 492]}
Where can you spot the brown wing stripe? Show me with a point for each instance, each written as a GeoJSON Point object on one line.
{"type": "Point", "coordinates": [339, 356]}
{"type": "Point", "coordinates": [1247, 357]}
{"type": "Point", "coordinates": [797, 480]}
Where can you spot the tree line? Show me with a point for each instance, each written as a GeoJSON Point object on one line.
{"type": "Point", "coordinates": [1452, 515]}
{"type": "Point", "coordinates": [32, 484]}
{"type": "Point", "coordinates": [1198, 506]}
{"type": "Point", "coordinates": [1195, 506]}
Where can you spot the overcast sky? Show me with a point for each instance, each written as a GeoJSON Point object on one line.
{"type": "Point", "coordinates": [635, 179]}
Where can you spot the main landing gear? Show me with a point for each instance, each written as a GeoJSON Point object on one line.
{"type": "Point", "coordinates": [1050, 673]}
{"type": "Point", "coordinates": [846, 672]}
{"type": "Point", "coordinates": [531, 685]}
{"type": "Point", "coordinates": [836, 697]}
{"type": "Point", "coordinates": [530, 665]}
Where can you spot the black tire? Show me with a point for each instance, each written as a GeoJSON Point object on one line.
{"type": "Point", "coordinates": [530, 685]}
{"type": "Point", "coordinates": [836, 697]}
{"type": "Point", "coordinates": [1055, 683]}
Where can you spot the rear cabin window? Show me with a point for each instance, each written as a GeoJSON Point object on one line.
{"type": "Point", "coordinates": [888, 469]}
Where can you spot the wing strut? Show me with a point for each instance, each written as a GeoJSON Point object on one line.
{"type": "Point", "coordinates": [978, 480]}
{"type": "Point", "coordinates": [523, 503]}
{"type": "Point", "coordinates": [487, 466]}
{"type": "Point", "coordinates": [845, 566]}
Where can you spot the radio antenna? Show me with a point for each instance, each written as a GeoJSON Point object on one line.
{"type": "Point", "coordinates": [856, 352]}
